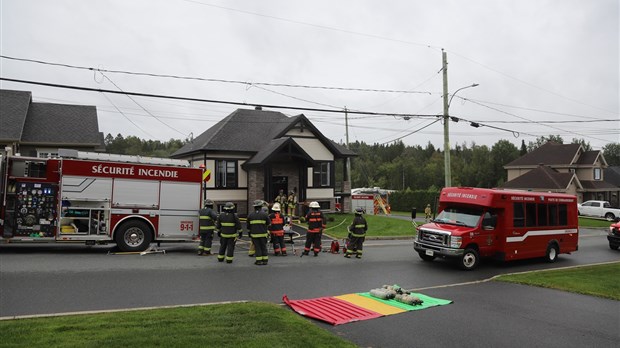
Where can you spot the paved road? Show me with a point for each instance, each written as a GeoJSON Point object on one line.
{"type": "Point", "coordinates": [52, 279]}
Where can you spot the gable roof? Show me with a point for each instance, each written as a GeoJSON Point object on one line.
{"type": "Point", "coordinates": [26, 122]}
{"type": "Point", "coordinates": [61, 124]}
{"type": "Point", "coordinates": [543, 177]}
{"type": "Point", "coordinates": [590, 158]}
{"type": "Point", "coordinates": [251, 131]}
{"type": "Point", "coordinates": [549, 154]}
{"type": "Point", "coordinates": [281, 146]}
{"type": "Point", "coordinates": [13, 111]}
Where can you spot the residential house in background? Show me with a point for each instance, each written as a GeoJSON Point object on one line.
{"type": "Point", "coordinates": [39, 129]}
{"type": "Point", "coordinates": [253, 154]}
{"type": "Point", "coordinates": [565, 168]}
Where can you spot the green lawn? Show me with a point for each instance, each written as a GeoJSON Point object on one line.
{"type": "Point", "coordinates": [251, 324]}
{"type": "Point", "coordinates": [600, 280]}
{"type": "Point", "coordinates": [378, 226]}
{"type": "Point", "coordinates": [589, 222]}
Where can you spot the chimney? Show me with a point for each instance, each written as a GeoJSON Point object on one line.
{"type": "Point", "coordinates": [258, 107]}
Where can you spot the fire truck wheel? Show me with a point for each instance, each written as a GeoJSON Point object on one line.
{"type": "Point", "coordinates": [613, 246]}
{"type": "Point", "coordinates": [133, 236]}
{"type": "Point", "coordinates": [552, 253]}
{"type": "Point", "coordinates": [425, 257]}
{"type": "Point", "coordinates": [469, 260]}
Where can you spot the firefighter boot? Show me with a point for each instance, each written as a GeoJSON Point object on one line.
{"type": "Point", "coordinates": [200, 252]}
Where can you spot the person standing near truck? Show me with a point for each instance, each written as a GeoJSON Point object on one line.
{"type": "Point", "coordinates": [276, 229]}
{"type": "Point", "coordinates": [207, 225]}
{"type": "Point", "coordinates": [228, 227]}
{"type": "Point", "coordinates": [357, 235]}
{"type": "Point", "coordinates": [258, 223]}
{"type": "Point", "coordinates": [316, 224]}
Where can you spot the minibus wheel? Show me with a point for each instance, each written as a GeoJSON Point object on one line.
{"type": "Point", "coordinates": [469, 260]}
{"type": "Point", "coordinates": [552, 253]}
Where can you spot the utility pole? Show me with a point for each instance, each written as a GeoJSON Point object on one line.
{"type": "Point", "coordinates": [446, 120]}
{"type": "Point", "coordinates": [348, 164]}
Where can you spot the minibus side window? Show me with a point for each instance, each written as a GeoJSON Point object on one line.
{"type": "Point", "coordinates": [530, 214]}
{"type": "Point", "coordinates": [518, 215]}
{"type": "Point", "coordinates": [553, 214]}
{"type": "Point", "coordinates": [489, 221]}
{"type": "Point", "coordinates": [542, 215]}
{"type": "Point", "coordinates": [563, 214]}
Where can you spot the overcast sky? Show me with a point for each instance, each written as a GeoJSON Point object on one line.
{"type": "Point", "coordinates": [543, 67]}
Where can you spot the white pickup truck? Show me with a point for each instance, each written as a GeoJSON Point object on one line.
{"type": "Point", "coordinates": [600, 209]}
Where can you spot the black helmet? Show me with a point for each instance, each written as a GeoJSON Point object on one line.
{"type": "Point", "coordinates": [229, 206]}
{"type": "Point", "coordinates": [257, 203]}
{"type": "Point", "coordinates": [208, 203]}
{"type": "Point", "coordinates": [359, 211]}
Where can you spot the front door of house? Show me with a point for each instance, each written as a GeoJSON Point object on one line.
{"type": "Point", "coordinates": [279, 183]}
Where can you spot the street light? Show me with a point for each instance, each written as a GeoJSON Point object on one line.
{"type": "Point", "coordinates": [446, 129]}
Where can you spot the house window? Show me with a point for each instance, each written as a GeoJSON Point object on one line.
{"type": "Point", "coordinates": [226, 174]}
{"type": "Point", "coordinates": [597, 173]}
{"type": "Point", "coordinates": [322, 174]}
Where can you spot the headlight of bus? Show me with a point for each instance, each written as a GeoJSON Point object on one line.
{"type": "Point", "coordinates": [455, 242]}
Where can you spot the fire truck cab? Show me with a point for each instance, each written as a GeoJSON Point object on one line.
{"type": "Point", "coordinates": [98, 198]}
{"type": "Point", "coordinates": [473, 223]}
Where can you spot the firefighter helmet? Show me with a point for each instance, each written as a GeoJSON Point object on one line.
{"type": "Point", "coordinates": [276, 207]}
{"type": "Point", "coordinates": [257, 203]}
{"type": "Point", "coordinates": [359, 211]}
{"type": "Point", "coordinates": [208, 203]}
{"type": "Point", "coordinates": [314, 205]}
{"type": "Point", "coordinates": [229, 206]}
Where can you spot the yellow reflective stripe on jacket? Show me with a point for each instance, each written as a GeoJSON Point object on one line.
{"type": "Point", "coordinates": [202, 228]}
{"type": "Point", "coordinates": [228, 224]}
{"type": "Point", "coordinates": [205, 217]}
{"type": "Point", "coordinates": [253, 235]}
{"type": "Point", "coordinates": [224, 235]}
{"type": "Point", "coordinates": [359, 226]}
{"type": "Point", "coordinates": [357, 235]}
{"type": "Point", "coordinates": [258, 222]}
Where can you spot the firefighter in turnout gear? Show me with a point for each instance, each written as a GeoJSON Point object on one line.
{"type": "Point", "coordinates": [276, 228]}
{"type": "Point", "coordinates": [291, 204]}
{"type": "Point", "coordinates": [357, 235]}
{"type": "Point", "coordinates": [281, 199]}
{"type": "Point", "coordinates": [258, 223]}
{"type": "Point", "coordinates": [316, 224]}
{"type": "Point", "coordinates": [228, 227]}
{"type": "Point", "coordinates": [207, 225]}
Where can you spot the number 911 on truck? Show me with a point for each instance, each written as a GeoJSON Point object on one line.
{"type": "Point", "coordinates": [96, 198]}
{"type": "Point", "coordinates": [475, 223]}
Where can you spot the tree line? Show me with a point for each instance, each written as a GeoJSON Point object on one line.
{"type": "Point", "coordinates": [398, 166]}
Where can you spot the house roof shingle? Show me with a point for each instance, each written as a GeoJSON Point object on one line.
{"type": "Point", "coordinates": [61, 124]}
{"type": "Point", "coordinates": [13, 111]}
{"type": "Point", "coordinates": [250, 131]}
{"type": "Point", "coordinates": [549, 154]}
{"type": "Point", "coordinates": [541, 177]}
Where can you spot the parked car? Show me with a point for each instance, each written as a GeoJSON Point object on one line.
{"type": "Point", "coordinates": [600, 209]}
{"type": "Point", "coordinates": [614, 235]}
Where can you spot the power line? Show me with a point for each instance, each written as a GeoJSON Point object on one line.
{"type": "Point", "coordinates": [245, 83]}
{"type": "Point", "coordinates": [149, 95]}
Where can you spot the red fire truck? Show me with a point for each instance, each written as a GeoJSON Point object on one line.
{"type": "Point", "coordinates": [502, 224]}
{"type": "Point", "coordinates": [99, 198]}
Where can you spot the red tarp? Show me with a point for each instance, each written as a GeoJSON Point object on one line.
{"type": "Point", "coordinates": [330, 310]}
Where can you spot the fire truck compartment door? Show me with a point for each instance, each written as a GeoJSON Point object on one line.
{"type": "Point", "coordinates": [135, 193]}
{"type": "Point", "coordinates": [180, 195]}
{"type": "Point", "coordinates": [86, 188]}
{"type": "Point", "coordinates": [179, 205]}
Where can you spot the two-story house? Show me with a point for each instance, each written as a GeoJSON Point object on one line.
{"type": "Point", "coordinates": [39, 129]}
{"type": "Point", "coordinates": [253, 154]}
{"type": "Point", "coordinates": [565, 168]}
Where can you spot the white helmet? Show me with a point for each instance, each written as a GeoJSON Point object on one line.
{"type": "Point", "coordinates": [276, 207]}
{"type": "Point", "coordinates": [314, 205]}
